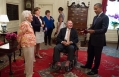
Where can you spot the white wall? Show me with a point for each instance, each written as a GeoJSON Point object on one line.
{"type": "Point", "coordinates": [12, 25]}
{"type": "Point", "coordinates": [58, 3]}
{"type": "Point", "coordinates": [2, 10]}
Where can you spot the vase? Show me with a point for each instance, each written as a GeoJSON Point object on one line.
{"type": "Point", "coordinates": [114, 26]}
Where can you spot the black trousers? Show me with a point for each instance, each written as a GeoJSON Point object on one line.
{"type": "Point", "coordinates": [48, 36]}
{"type": "Point", "coordinates": [94, 54]}
{"type": "Point", "coordinates": [59, 48]}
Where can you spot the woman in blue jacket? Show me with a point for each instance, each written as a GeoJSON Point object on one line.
{"type": "Point", "coordinates": [49, 23]}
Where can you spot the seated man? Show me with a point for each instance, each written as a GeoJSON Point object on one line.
{"type": "Point", "coordinates": [66, 39]}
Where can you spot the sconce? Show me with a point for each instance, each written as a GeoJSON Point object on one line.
{"type": "Point", "coordinates": [88, 4]}
{"type": "Point", "coordinates": [67, 3]}
{"type": "Point", "coordinates": [4, 19]}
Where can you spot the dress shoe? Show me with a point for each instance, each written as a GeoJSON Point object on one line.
{"type": "Point", "coordinates": [58, 68]}
{"type": "Point", "coordinates": [85, 67]}
{"type": "Point", "coordinates": [1, 61]}
{"type": "Point", "coordinates": [68, 68]}
{"type": "Point", "coordinates": [92, 73]}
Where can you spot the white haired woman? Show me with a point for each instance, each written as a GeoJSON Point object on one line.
{"type": "Point", "coordinates": [26, 39]}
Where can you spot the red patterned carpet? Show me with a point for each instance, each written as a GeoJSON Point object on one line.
{"type": "Point", "coordinates": [109, 67]}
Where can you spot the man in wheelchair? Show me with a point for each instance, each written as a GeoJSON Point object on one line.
{"type": "Point", "coordinates": [66, 40]}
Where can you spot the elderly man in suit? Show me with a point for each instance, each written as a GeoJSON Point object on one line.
{"type": "Point", "coordinates": [66, 39]}
{"type": "Point", "coordinates": [97, 39]}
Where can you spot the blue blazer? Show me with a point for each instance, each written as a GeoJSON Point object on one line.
{"type": "Point", "coordinates": [49, 23]}
{"type": "Point", "coordinates": [36, 23]}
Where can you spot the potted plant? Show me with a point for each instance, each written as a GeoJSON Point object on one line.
{"type": "Point", "coordinates": [114, 20]}
{"type": "Point", "coordinates": [114, 24]}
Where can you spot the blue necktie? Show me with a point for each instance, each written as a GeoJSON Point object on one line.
{"type": "Point", "coordinates": [95, 19]}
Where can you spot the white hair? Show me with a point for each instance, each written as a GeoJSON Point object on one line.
{"type": "Point", "coordinates": [25, 14]}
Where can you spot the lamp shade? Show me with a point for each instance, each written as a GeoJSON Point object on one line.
{"type": "Point", "coordinates": [4, 18]}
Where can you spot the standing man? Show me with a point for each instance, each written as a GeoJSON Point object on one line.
{"type": "Point", "coordinates": [97, 39]}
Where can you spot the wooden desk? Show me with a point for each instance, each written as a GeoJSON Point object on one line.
{"type": "Point", "coordinates": [8, 50]}
{"type": "Point", "coordinates": [3, 35]}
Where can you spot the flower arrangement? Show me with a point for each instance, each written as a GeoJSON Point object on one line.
{"type": "Point", "coordinates": [116, 16]}
{"type": "Point", "coordinates": [115, 20]}
{"type": "Point", "coordinates": [11, 36]}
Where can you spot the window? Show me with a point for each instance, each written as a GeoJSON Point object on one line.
{"type": "Point", "coordinates": [113, 14]}
{"type": "Point", "coordinates": [12, 11]}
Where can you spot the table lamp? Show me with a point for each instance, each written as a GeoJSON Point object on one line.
{"type": "Point", "coordinates": [4, 19]}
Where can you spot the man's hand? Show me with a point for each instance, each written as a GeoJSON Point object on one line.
{"type": "Point", "coordinates": [84, 31]}
{"type": "Point", "coordinates": [64, 43]}
{"type": "Point", "coordinates": [91, 31]}
{"type": "Point", "coordinates": [67, 43]}
{"type": "Point", "coordinates": [70, 42]}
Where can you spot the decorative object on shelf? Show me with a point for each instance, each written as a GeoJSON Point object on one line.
{"type": "Point", "coordinates": [11, 38]}
{"type": "Point", "coordinates": [78, 5]}
{"type": "Point", "coordinates": [114, 24]}
{"type": "Point", "coordinates": [4, 19]}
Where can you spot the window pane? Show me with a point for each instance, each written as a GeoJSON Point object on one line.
{"type": "Point", "coordinates": [113, 14]}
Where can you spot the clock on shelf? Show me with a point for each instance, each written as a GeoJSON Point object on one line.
{"type": "Point", "coordinates": [29, 5]}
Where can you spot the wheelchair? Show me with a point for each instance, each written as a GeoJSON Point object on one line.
{"type": "Point", "coordinates": [72, 63]}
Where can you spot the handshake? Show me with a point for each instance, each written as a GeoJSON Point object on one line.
{"type": "Point", "coordinates": [85, 31]}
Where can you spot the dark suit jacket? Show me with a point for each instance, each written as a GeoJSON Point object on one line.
{"type": "Point", "coordinates": [73, 36]}
{"type": "Point", "coordinates": [36, 23]}
{"type": "Point", "coordinates": [100, 27]}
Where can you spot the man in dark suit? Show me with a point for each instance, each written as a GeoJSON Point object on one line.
{"type": "Point", "coordinates": [66, 39]}
{"type": "Point", "coordinates": [97, 39]}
